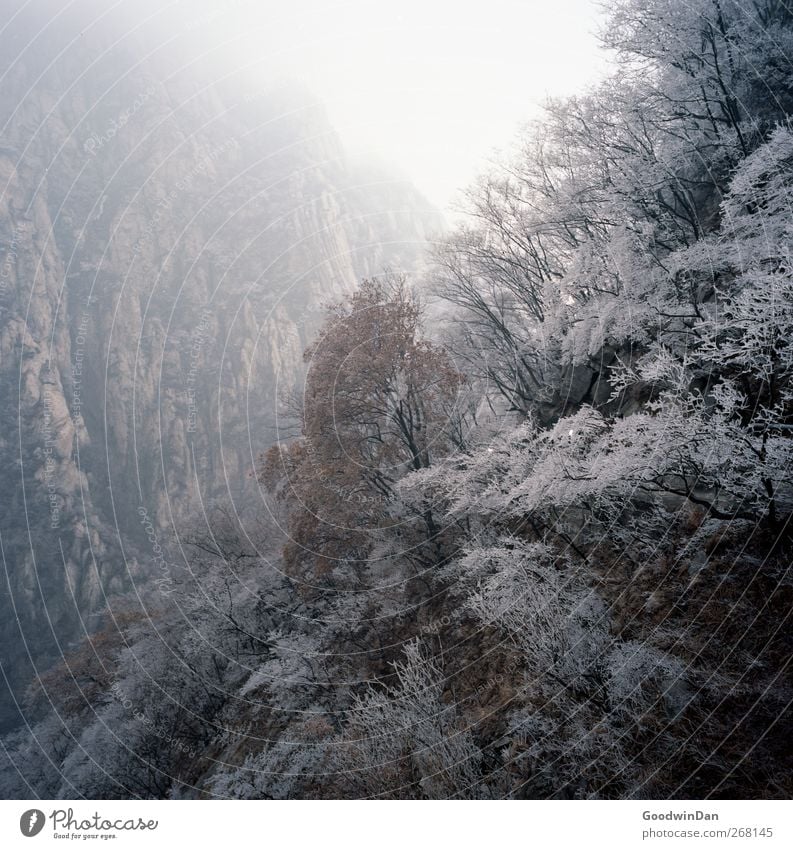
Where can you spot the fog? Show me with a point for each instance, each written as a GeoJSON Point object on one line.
{"type": "Point", "coordinates": [429, 87]}
{"type": "Point", "coordinates": [432, 87]}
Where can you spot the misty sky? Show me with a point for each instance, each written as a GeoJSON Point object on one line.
{"type": "Point", "coordinates": [431, 86]}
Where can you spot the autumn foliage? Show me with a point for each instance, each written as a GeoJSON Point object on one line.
{"type": "Point", "coordinates": [377, 403]}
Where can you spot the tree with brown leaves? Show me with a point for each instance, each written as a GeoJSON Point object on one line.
{"type": "Point", "coordinates": [378, 400]}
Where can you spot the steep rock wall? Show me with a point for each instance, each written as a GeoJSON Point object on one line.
{"type": "Point", "coordinates": [167, 241]}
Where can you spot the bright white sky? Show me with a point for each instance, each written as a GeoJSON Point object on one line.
{"type": "Point", "coordinates": [431, 86]}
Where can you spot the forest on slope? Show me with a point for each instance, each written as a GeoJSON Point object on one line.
{"type": "Point", "coordinates": [542, 551]}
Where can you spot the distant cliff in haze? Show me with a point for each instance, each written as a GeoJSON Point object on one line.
{"type": "Point", "coordinates": [167, 240]}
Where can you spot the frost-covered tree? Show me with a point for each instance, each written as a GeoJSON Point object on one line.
{"type": "Point", "coordinates": [409, 741]}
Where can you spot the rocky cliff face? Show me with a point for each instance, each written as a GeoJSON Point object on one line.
{"type": "Point", "coordinates": [167, 241]}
